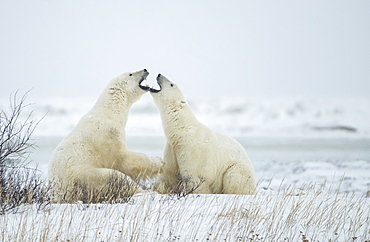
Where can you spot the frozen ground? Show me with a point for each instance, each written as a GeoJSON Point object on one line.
{"type": "Point", "coordinates": [312, 155]}
{"type": "Point", "coordinates": [317, 214]}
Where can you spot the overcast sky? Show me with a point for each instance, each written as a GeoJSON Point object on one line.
{"type": "Point", "coordinates": [210, 48]}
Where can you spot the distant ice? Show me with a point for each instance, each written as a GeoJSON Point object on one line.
{"type": "Point", "coordinates": [301, 117]}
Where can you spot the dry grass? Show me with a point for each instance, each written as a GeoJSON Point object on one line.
{"type": "Point", "coordinates": [184, 186]}
{"type": "Point", "coordinates": [317, 214]}
{"type": "Point", "coordinates": [117, 190]}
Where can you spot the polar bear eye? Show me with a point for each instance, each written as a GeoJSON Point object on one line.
{"type": "Point", "coordinates": [171, 85]}
{"type": "Point", "coordinates": [130, 74]}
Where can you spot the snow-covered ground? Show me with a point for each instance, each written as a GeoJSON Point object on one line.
{"type": "Point", "coordinates": [313, 155]}
{"type": "Point", "coordinates": [317, 214]}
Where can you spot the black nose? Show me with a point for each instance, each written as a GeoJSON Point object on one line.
{"type": "Point", "coordinates": [145, 70]}
{"type": "Point", "coordinates": [159, 74]}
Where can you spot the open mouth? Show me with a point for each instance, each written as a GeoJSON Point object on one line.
{"type": "Point", "coordinates": [155, 90]}
{"type": "Point", "coordinates": [143, 78]}
{"type": "Point", "coordinates": [146, 87]}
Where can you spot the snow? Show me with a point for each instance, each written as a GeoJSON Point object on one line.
{"type": "Point", "coordinates": [317, 214]}
{"type": "Point", "coordinates": [312, 161]}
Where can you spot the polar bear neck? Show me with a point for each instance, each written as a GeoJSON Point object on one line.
{"type": "Point", "coordinates": [178, 120]}
{"type": "Point", "coordinates": [114, 105]}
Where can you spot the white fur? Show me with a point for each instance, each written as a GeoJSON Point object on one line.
{"type": "Point", "coordinates": [95, 150]}
{"type": "Point", "coordinates": [193, 151]}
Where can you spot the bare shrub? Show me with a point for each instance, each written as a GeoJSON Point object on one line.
{"type": "Point", "coordinates": [18, 183]}
{"type": "Point", "coordinates": [15, 134]}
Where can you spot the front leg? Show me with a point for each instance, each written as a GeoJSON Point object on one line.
{"type": "Point", "coordinates": [169, 178]}
{"type": "Point", "coordinates": [138, 165]}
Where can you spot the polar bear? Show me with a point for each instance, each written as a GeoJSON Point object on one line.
{"type": "Point", "coordinates": [94, 156]}
{"type": "Point", "coordinates": [193, 151]}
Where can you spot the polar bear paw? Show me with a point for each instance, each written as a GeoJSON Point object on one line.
{"type": "Point", "coordinates": [158, 163]}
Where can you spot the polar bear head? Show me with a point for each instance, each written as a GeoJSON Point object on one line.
{"type": "Point", "coordinates": [168, 96]}
{"type": "Point", "coordinates": [127, 87]}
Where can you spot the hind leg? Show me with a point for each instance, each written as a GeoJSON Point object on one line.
{"type": "Point", "coordinates": [97, 185]}
{"type": "Point", "coordinates": [103, 178]}
{"type": "Point", "coordinates": [239, 179]}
